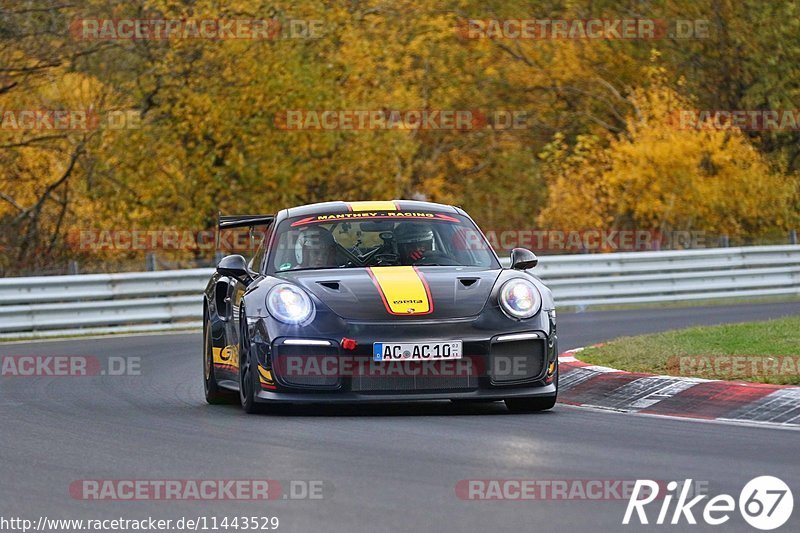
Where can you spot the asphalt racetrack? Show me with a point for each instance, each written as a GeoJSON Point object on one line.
{"type": "Point", "coordinates": [382, 468]}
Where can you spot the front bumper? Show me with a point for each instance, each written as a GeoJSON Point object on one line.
{"type": "Point", "coordinates": [495, 366]}
{"type": "Point", "coordinates": [360, 397]}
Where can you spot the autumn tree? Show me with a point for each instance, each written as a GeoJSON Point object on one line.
{"type": "Point", "coordinates": [661, 175]}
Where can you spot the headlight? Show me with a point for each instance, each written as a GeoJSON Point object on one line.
{"type": "Point", "coordinates": [289, 304]}
{"type": "Point", "coordinates": [519, 298]}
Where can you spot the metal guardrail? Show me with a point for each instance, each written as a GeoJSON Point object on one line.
{"type": "Point", "coordinates": [101, 303]}
{"type": "Point", "coordinates": [168, 300]}
{"type": "Point", "coordinates": [674, 276]}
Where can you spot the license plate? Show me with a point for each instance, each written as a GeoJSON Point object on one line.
{"type": "Point", "coordinates": [416, 351]}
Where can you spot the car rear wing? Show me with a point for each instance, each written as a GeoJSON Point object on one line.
{"type": "Point", "coordinates": [242, 221]}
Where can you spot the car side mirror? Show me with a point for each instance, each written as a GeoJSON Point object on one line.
{"type": "Point", "coordinates": [523, 259]}
{"type": "Point", "coordinates": [234, 266]}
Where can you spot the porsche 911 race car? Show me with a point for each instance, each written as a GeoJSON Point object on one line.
{"type": "Point", "coordinates": [377, 302]}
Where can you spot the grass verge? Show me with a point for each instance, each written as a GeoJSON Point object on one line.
{"type": "Point", "coordinates": [760, 352]}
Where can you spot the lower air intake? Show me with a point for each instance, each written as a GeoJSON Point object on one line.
{"type": "Point", "coordinates": [516, 361]}
{"type": "Point", "coordinates": [306, 366]}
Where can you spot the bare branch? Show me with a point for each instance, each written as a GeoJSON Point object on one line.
{"type": "Point", "coordinates": [33, 140]}
{"type": "Point", "coordinates": [37, 207]}
{"type": "Point", "coordinates": [7, 198]}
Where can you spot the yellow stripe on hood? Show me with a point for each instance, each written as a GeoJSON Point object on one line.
{"type": "Point", "coordinates": [403, 290]}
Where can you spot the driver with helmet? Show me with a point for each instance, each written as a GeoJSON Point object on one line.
{"type": "Point", "coordinates": [414, 241]}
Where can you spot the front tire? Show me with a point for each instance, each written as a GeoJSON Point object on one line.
{"type": "Point", "coordinates": [248, 383]}
{"type": "Point", "coordinates": [215, 395]}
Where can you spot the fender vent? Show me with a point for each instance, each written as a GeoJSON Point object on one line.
{"type": "Point", "coordinates": [468, 282]}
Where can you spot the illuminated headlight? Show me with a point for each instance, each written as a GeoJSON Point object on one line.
{"type": "Point", "coordinates": [519, 298]}
{"type": "Point", "coordinates": [289, 304]}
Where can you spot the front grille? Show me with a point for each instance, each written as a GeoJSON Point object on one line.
{"type": "Point", "coordinates": [514, 361]}
{"type": "Point", "coordinates": [304, 366]}
{"type": "Point", "coordinates": [411, 377]}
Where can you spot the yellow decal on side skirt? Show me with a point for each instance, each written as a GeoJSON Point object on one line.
{"type": "Point", "coordinates": [403, 290]}
{"type": "Point", "coordinates": [227, 356]}
{"type": "Point", "coordinates": [264, 375]}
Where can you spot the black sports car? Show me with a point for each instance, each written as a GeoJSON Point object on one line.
{"type": "Point", "coordinates": [377, 301]}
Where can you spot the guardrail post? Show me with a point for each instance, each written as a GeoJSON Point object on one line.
{"type": "Point", "coordinates": [150, 262]}
{"type": "Point", "coordinates": [724, 241]}
{"type": "Point", "coordinates": [793, 236]}
{"type": "Point", "coordinates": [72, 268]}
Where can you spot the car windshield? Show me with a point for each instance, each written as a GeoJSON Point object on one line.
{"type": "Point", "coordinates": [356, 240]}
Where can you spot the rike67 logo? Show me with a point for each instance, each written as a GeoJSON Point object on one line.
{"type": "Point", "coordinates": [765, 503]}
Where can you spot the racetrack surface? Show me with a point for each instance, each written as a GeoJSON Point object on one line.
{"type": "Point", "coordinates": [391, 468]}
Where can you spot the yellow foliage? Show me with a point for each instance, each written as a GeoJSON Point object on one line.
{"type": "Point", "coordinates": [657, 176]}
{"type": "Point", "coordinates": [598, 149]}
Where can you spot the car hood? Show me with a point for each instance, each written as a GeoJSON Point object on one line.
{"type": "Point", "coordinates": [414, 292]}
